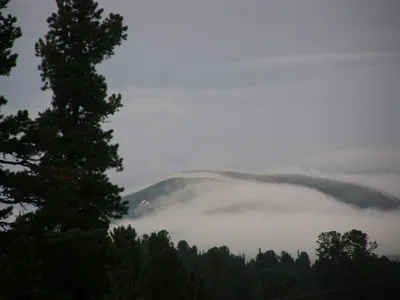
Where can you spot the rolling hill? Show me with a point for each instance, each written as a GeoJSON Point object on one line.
{"type": "Point", "coordinates": [142, 202]}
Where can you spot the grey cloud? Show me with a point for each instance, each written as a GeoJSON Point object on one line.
{"type": "Point", "coordinates": [261, 127]}
{"type": "Point", "coordinates": [171, 42]}
{"type": "Point", "coordinates": [320, 58]}
{"type": "Point", "coordinates": [359, 160]}
{"type": "Point", "coordinates": [186, 106]}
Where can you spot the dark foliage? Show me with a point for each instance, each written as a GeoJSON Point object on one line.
{"type": "Point", "coordinates": [62, 158]}
{"type": "Point", "coordinates": [150, 267]}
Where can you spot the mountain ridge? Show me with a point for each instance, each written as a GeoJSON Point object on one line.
{"type": "Point", "coordinates": [353, 194]}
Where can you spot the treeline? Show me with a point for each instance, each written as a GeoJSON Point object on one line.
{"type": "Point", "coordinates": [53, 170]}
{"type": "Point", "coordinates": [150, 267]}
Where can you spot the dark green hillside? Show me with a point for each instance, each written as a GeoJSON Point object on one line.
{"type": "Point", "coordinates": [159, 189]}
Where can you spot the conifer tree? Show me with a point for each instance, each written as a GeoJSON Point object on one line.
{"type": "Point", "coordinates": [73, 197]}
{"type": "Point", "coordinates": [18, 276]}
{"type": "Point", "coordinates": [76, 150]}
{"type": "Point", "coordinates": [9, 32]}
{"type": "Point", "coordinates": [16, 152]}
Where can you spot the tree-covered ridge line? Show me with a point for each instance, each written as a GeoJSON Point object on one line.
{"type": "Point", "coordinates": [346, 268]}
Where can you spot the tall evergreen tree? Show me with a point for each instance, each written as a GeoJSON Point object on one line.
{"type": "Point", "coordinates": [67, 183]}
{"type": "Point", "coordinates": [9, 32]}
{"type": "Point", "coordinates": [18, 276]}
{"type": "Point", "coordinates": [17, 153]}
{"type": "Point", "coordinates": [76, 151]}
{"type": "Point", "coordinates": [125, 274]}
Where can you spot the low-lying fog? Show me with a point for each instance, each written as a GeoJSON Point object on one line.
{"type": "Point", "coordinates": [247, 215]}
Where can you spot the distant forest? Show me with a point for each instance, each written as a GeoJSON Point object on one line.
{"type": "Point", "coordinates": [53, 167]}
{"type": "Point", "coordinates": [150, 267]}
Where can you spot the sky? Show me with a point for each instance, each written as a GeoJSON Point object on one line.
{"type": "Point", "coordinates": [244, 85]}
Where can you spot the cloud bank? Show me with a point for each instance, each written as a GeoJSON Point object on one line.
{"type": "Point", "coordinates": [247, 215]}
{"type": "Point", "coordinates": [319, 58]}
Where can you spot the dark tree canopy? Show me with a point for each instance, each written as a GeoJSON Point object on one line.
{"type": "Point", "coordinates": [11, 126]}
{"type": "Point", "coordinates": [9, 32]}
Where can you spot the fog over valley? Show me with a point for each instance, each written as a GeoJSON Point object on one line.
{"type": "Point", "coordinates": [248, 214]}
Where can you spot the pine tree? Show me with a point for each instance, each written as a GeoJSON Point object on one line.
{"type": "Point", "coordinates": [66, 181]}
{"type": "Point", "coordinates": [76, 151]}
{"type": "Point", "coordinates": [128, 265]}
{"type": "Point", "coordinates": [9, 32]}
{"type": "Point", "coordinates": [18, 277]}
{"type": "Point", "coordinates": [18, 155]}
{"type": "Point", "coordinates": [164, 275]}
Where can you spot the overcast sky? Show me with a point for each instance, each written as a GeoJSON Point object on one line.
{"type": "Point", "coordinates": [243, 85]}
